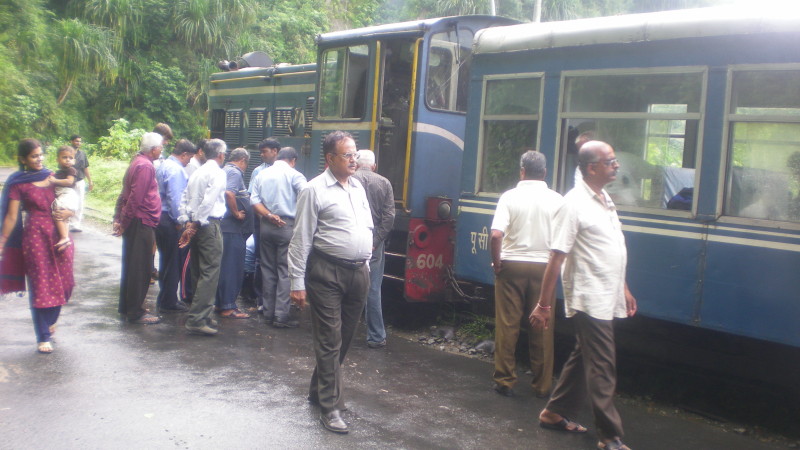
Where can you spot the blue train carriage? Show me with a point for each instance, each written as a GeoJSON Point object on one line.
{"type": "Point", "coordinates": [703, 109]}
{"type": "Point", "coordinates": [400, 89]}
{"type": "Point", "coordinates": [250, 104]}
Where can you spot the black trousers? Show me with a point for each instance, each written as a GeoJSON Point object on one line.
{"type": "Point", "coordinates": [337, 297]}
{"type": "Point", "coordinates": [137, 267]}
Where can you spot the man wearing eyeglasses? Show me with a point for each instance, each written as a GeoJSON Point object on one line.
{"type": "Point", "coordinates": [331, 245]}
{"type": "Point", "coordinates": [588, 241]}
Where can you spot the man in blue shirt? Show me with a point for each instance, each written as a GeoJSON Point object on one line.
{"type": "Point", "coordinates": [274, 200]}
{"type": "Point", "coordinates": [172, 179]}
{"type": "Point", "coordinates": [233, 243]}
{"type": "Point", "coordinates": [269, 149]}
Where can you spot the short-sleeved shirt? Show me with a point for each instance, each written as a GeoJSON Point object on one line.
{"type": "Point", "coordinates": [235, 184]}
{"type": "Point", "coordinates": [62, 174]}
{"type": "Point", "coordinates": [525, 215]}
{"type": "Point", "coordinates": [277, 188]}
{"type": "Point", "coordinates": [588, 230]}
{"type": "Point", "coordinates": [81, 163]}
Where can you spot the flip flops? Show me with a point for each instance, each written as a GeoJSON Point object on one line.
{"type": "Point", "coordinates": [44, 347]}
{"type": "Point", "coordinates": [616, 444]}
{"type": "Point", "coordinates": [564, 425]}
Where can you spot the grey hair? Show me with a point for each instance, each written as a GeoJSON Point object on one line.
{"type": "Point", "coordinates": [150, 141]}
{"type": "Point", "coordinates": [287, 154]}
{"type": "Point", "coordinates": [239, 154]}
{"type": "Point", "coordinates": [213, 147]}
{"type": "Point", "coordinates": [535, 165]}
{"type": "Point", "coordinates": [365, 158]}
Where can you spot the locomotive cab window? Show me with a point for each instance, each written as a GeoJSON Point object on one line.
{"type": "Point", "coordinates": [651, 120]}
{"type": "Point", "coordinates": [763, 180]}
{"type": "Point", "coordinates": [509, 126]}
{"type": "Point", "coordinates": [343, 82]}
{"type": "Point", "coordinates": [448, 70]}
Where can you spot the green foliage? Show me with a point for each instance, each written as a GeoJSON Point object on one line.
{"type": "Point", "coordinates": [121, 143]}
{"type": "Point", "coordinates": [476, 329]}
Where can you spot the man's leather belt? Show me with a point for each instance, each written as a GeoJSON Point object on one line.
{"type": "Point", "coordinates": [341, 262]}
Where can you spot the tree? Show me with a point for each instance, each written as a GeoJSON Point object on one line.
{"type": "Point", "coordinates": [81, 48]}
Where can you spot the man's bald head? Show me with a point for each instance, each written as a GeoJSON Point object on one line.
{"type": "Point", "coordinates": [591, 152]}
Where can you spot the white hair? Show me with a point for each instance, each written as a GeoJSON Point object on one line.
{"type": "Point", "coordinates": [365, 158]}
{"type": "Point", "coordinates": [150, 141]}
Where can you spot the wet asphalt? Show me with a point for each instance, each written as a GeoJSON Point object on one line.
{"type": "Point", "coordinates": [110, 384]}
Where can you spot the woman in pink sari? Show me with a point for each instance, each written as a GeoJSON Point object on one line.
{"type": "Point", "coordinates": [28, 250]}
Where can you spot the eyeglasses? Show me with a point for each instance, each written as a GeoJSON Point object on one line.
{"type": "Point", "coordinates": [347, 155]}
{"type": "Point", "coordinates": [607, 162]}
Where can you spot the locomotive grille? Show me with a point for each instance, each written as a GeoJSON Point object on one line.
{"type": "Point", "coordinates": [309, 116]}
{"type": "Point", "coordinates": [233, 127]}
{"type": "Point", "coordinates": [283, 122]}
{"type": "Point", "coordinates": [218, 124]}
{"type": "Point", "coordinates": [256, 126]}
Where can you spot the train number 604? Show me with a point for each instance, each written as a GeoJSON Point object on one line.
{"type": "Point", "coordinates": [429, 261]}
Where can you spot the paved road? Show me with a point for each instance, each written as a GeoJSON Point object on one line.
{"type": "Point", "coordinates": [111, 384]}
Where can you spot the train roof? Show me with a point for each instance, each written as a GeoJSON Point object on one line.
{"type": "Point", "coordinates": [263, 71]}
{"type": "Point", "coordinates": [414, 27]}
{"type": "Point", "coordinates": [687, 23]}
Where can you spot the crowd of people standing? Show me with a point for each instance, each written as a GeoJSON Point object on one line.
{"type": "Point", "coordinates": [320, 243]}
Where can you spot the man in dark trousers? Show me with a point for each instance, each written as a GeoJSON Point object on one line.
{"type": "Point", "coordinates": [328, 256]}
{"type": "Point", "coordinates": [381, 202]}
{"type": "Point", "coordinates": [274, 200]}
{"type": "Point", "coordinates": [202, 208]}
{"type": "Point", "coordinates": [136, 217]}
{"type": "Point", "coordinates": [588, 242]}
{"type": "Point", "coordinates": [172, 181]}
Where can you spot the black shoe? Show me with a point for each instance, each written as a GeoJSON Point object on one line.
{"type": "Point", "coordinates": [286, 324]}
{"type": "Point", "coordinates": [212, 322]}
{"type": "Point", "coordinates": [146, 319]}
{"type": "Point", "coordinates": [176, 308]}
{"type": "Point", "coordinates": [332, 421]}
{"type": "Point", "coordinates": [204, 329]}
{"type": "Point", "coordinates": [380, 344]}
{"type": "Point", "coordinates": [504, 390]}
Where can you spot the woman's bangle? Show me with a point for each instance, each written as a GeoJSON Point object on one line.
{"type": "Point", "coordinates": [540, 306]}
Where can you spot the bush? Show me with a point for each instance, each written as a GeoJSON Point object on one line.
{"type": "Point", "coordinates": [121, 143]}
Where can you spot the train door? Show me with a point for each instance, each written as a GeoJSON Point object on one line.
{"type": "Point", "coordinates": [397, 62]}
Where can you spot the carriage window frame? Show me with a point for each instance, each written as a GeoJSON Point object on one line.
{"type": "Point", "coordinates": [647, 117]}
{"type": "Point", "coordinates": [534, 117]}
{"type": "Point", "coordinates": [731, 118]}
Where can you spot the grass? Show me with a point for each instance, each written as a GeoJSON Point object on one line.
{"type": "Point", "coordinates": [107, 177]}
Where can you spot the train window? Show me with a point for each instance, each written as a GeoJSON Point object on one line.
{"type": "Point", "coordinates": [448, 70]}
{"type": "Point", "coordinates": [763, 179]}
{"type": "Point", "coordinates": [509, 127]}
{"type": "Point", "coordinates": [652, 122]}
{"type": "Point", "coordinates": [343, 82]}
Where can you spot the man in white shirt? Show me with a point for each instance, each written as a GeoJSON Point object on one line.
{"type": "Point", "coordinates": [202, 207]}
{"type": "Point", "coordinates": [328, 256]}
{"type": "Point", "coordinates": [520, 247]}
{"type": "Point", "coordinates": [588, 237]}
